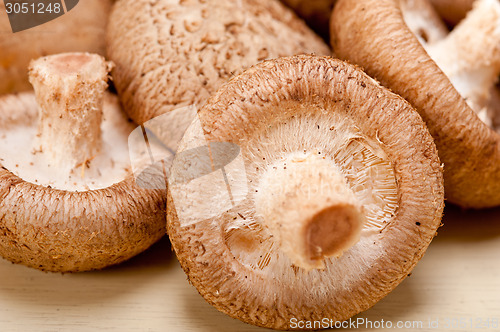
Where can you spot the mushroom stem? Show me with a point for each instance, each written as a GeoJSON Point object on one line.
{"type": "Point", "coordinates": [69, 90]}
{"type": "Point", "coordinates": [470, 54]}
{"type": "Point", "coordinates": [307, 206]}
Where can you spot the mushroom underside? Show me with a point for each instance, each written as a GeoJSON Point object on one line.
{"type": "Point", "coordinates": [470, 56]}
{"type": "Point", "coordinates": [391, 53]}
{"type": "Point", "coordinates": [20, 154]}
{"type": "Point", "coordinates": [95, 218]}
{"type": "Point", "coordinates": [281, 114]}
{"type": "Point", "coordinates": [69, 202]}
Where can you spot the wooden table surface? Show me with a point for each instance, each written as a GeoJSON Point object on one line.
{"type": "Point", "coordinates": [457, 282]}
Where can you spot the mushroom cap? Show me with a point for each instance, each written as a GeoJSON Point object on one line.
{"type": "Point", "coordinates": [315, 12]}
{"type": "Point", "coordinates": [391, 53]}
{"type": "Point", "coordinates": [69, 231]}
{"type": "Point", "coordinates": [267, 97]}
{"type": "Point", "coordinates": [81, 29]}
{"type": "Point", "coordinates": [452, 11]}
{"type": "Point", "coordinates": [171, 54]}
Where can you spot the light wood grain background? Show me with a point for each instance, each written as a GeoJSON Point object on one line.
{"type": "Point", "coordinates": [458, 278]}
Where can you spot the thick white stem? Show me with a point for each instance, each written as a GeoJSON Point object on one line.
{"type": "Point", "coordinates": [470, 55]}
{"type": "Point", "coordinates": [69, 90]}
{"type": "Point", "coordinates": [307, 206]}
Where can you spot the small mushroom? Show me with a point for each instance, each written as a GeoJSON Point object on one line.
{"type": "Point", "coordinates": [344, 192]}
{"type": "Point", "coordinates": [80, 30]}
{"type": "Point", "coordinates": [449, 81]}
{"type": "Point", "coordinates": [68, 200]}
{"type": "Point", "coordinates": [171, 54]}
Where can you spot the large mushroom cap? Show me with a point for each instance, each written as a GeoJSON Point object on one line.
{"type": "Point", "coordinates": [82, 29]}
{"type": "Point", "coordinates": [170, 54]}
{"type": "Point", "coordinates": [321, 148]}
{"type": "Point", "coordinates": [390, 52]}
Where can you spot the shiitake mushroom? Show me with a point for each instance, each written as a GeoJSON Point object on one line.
{"type": "Point", "coordinates": [337, 193]}
{"type": "Point", "coordinates": [68, 199]}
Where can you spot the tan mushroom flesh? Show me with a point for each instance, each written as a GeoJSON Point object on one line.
{"type": "Point", "coordinates": [450, 81]}
{"type": "Point", "coordinates": [338, 193]}
{"type": "Point", "coordinates": [171, 54]}
{"type": "Point", "coordinates": [68, 199]}
{"type": "Point", "coordinates": [81, 29]}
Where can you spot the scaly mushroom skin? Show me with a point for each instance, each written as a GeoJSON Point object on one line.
{"type": "Point", "coordinates": [322, 144]}
{"type": "Point", "coordinates": [80, 30]}
{"type": "Point", "coordinates": [390, 52]}
{"type": "Point", "coordinates": [64, 230]}
{"type": "Point", "coordinates": [170, 54]}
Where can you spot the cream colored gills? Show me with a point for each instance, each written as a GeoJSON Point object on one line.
{"type": "Point", "coordinates": [329, 169]}
{"type": "Point", "coordinates": [74, 144]}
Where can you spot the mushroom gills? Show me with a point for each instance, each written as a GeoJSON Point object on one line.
{"type": "Point", "coordinates": [470, 57]}
{"type": "Point", "coordinates": [382, 192]}
{"type": "Point", "coordinates": [62, 147]}
{"type": "Point", "coordinates": [310, 223]}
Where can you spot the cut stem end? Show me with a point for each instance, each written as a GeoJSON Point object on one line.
{"type": "Point", "coordinates": [308, 207]}
{"type": "Point", "coordinates": [332, 231]}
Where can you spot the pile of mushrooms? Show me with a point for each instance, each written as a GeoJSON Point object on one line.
{"type": "Point", "coordinates": [342, 195]}
{"type": "Point", "coordinates": [80, 30]}
{"type": "Point", "coordinates": [450, 81]}
{"type": "Point", "coordinates": [68, 199]}
{"type": "Point", "coordinates": [302, 188]}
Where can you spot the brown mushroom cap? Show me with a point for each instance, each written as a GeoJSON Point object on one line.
{"type": "Point", "coordinates": [390, 52]}
{"type": "Point", "coordinates": [80, 30]}
{"type": "Point", "coordinates": [171, 54]}
{"type": "Point", "coordinates": [63, 231]}
{"type": "Point", "coordinates": [307, 105]}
